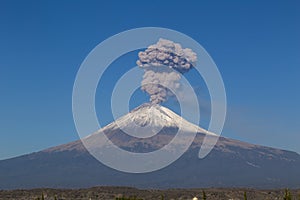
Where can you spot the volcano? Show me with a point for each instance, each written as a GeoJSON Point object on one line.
{"type": "Point", "coordinates": [231, 163]}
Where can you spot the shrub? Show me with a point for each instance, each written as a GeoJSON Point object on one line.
{"type": "Point", "coordinates": [245, 195]}
{"type": "Point", "coordinates": [203, 195]}
{"type": "Point", "coordinates": [287, 195]}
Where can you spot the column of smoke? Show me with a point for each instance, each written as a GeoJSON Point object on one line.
{"type": "Point", "coordinates": [163, 63]}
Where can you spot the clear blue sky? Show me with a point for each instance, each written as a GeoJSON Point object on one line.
{"type": "Point", "coordinates": [256, 45]}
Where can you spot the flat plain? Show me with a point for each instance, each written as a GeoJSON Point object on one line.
{"type": "Point", "coordinates": [112, 193]}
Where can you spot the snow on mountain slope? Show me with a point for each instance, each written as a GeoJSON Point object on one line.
{"type": "Point", "coordinates": [151, 118]}
{"type": "Point", "coordinates": [231, 163]}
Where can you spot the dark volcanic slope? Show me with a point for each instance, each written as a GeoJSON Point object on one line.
{"type": "Point", "coordinates": [230, 164]}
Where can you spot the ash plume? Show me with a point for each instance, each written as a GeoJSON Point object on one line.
{"type": "Point", "coordinates": [163, 63]}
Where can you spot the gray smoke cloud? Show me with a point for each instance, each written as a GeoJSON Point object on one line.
{"type": "Point", "coordinates": [154, 61]}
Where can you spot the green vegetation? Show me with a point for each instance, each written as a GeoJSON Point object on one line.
{"type": "Point", "coordinates": [203, 195]}
{"type": "Point", "coordinates": [245, 195]}
{"type": "Point", "coordinates": [287, 195]}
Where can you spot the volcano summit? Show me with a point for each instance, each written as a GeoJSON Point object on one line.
{"type": "Point", "coordinates": [230, 164]}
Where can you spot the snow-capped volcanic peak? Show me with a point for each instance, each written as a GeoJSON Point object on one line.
{"type": "Point", "coordinates": [153, 117]}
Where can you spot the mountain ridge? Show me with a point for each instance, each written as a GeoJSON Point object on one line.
{"type": "Point", "coordinates": [231, 163]}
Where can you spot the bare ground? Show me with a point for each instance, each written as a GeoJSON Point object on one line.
{"type": "Point", "coordinates": [107, 193]}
